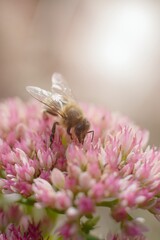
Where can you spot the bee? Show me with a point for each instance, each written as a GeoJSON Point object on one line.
{"type": "Point", "coordinates": [60, 102]}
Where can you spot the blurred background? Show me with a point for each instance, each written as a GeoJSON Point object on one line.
{"type": "Point", "coordinates": [108, 51]}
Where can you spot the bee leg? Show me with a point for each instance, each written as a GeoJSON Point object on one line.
{"type": "Point", "coordinates": [53, 132]}
{"type": "Point", "coordinates": [92, 134]}
{"type": "Point", "coordinates": [69, 132]}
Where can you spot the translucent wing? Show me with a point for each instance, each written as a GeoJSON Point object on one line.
{"type": "Point", "coordinates": [59, 85]}
{"type": "Point", "coordinates": [54, 102]}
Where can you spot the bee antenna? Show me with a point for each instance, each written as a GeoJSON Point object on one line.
{"type": "Point", "coordinates": [92, 132]}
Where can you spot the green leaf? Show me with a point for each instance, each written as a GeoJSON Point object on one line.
{"type": "Point", "coordinates": [90, 237]}
{"type": "Point", "coordinates": [27, 201]}
{"type": "Point", "coordinates": [89, 225]}
{"type": "Point", "coordinates": [51, 214]}
{"type": "Point", "coordinates": [2, 174]}
{"type": "Point", "coordinates": [53, 238]}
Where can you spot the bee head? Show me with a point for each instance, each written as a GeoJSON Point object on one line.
{"type": "Point", "coordinates": [81, 129]}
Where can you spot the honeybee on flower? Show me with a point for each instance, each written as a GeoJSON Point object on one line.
{"type": "Point", "coordinates": [60, 102]}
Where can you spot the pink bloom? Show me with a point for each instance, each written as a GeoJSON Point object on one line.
{"type": "Point", "coordinates": [44, 192]}
{"type": "Point", "coordinates": [26, 172]}
{"type": "Point", "coordinates": [134, 228]}
{"type": "Point", "coordinates": [154, 207]}
{"type": "Point", "coordinates": [17, 186]}
{"type": "Point", "coordinates": [119, 213]}
{"type": "Point", "coordinates": [71, 184]}
{"type": "Point", "coordinates": [111, 183]}
{"type": "Point", "coordinates": [72, 213]}
{"type": "Point", "coordinates": [3, 219]}
{"type": "Point", "coordinates": [76, 156]}
{"type": "Point", "coordinates": [15, 233]}
{"type": "Point", "coordinates": [113, 153]}
{"type": "Point", "coordinates": [97, 191]}
{"type": "Point", "coordinates": [46, 159]}
{"type": "Point", "coordinates": [62, 200]}
{"type": "Point", "coordinates": [68, 230]}
{"type": "Point", "coordinates": [94, 169]}
{"type": "Point", "coordinates": [85, 205]}
{"type": "Point", "coordinates": [124, 237]}
{"type": "Point", "coordinates": [86, 182]}
{"type": "Point", "coordinates": [147, 169]}
{"type": "Point", "coordinates": [57, 178]}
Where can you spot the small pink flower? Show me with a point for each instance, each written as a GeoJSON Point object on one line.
{"type": "Point", "coordinates": [154, 208]}
{"type": "Point", "coordinates": [94, 169]}
{"type": "Point", "coordinates": [71, 183]}
{"type": "Point", "coordinates": [134, 228]}
{"type": "Point", "coordinates": [46, 159]}
{"type": "Point", "coordinates": [85, 205]}
{"type": "Point", "coordinates": [44, 192]}
{"type": "Point", "coordinates": [119, 213]}
{"type": "Point", "coordinates": [3, 219]}
{"type": "Point", "coordinates": [74, 171]}
{"type": "Point", "coordinates": [25, 172]}
{"type": "Point", "coordinates": [58, 178]}
{"type": "Point", "coordinates": [62, 200]}
{"type": "Point", "coordinates": [72, 213]}
{"type": "Point", "coordinates": [86, 181]}
{"type": "Point", "coordinates": [124, 237]}
{"type": "Point", "coordinates": [68, 230]}
{"type": "Point", "coordinates": [76, 156]}
{"type": "Point", "coordinates": [97, 191]}
{"type": "Point", "coordinates": [113, 153]}
{"type": "Point", "coordinates": [111, 183]}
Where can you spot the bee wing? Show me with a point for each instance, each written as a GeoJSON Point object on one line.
{"type": "Point", "coordinates": [59, 85]}
{"type": "Point", "coordinates": [54, 102]}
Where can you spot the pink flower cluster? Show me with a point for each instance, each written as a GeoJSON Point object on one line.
{"type": "Point", "coordinates": [15, 225]}
{"type": "Point", "coordinates": [116, 170]}
{"type": "Point", "coordinates": [15, 233]}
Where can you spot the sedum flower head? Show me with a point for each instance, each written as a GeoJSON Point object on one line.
{"type": "Point", "coordinates": [116, 170]}
{"type": "Point", "coordinates": [15, 233]}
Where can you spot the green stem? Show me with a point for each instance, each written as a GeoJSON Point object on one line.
{"type": "Point", "coordinates": [109, 204]}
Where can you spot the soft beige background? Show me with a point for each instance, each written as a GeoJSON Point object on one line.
{"type": "Point", "coordinates": [108, 51]}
